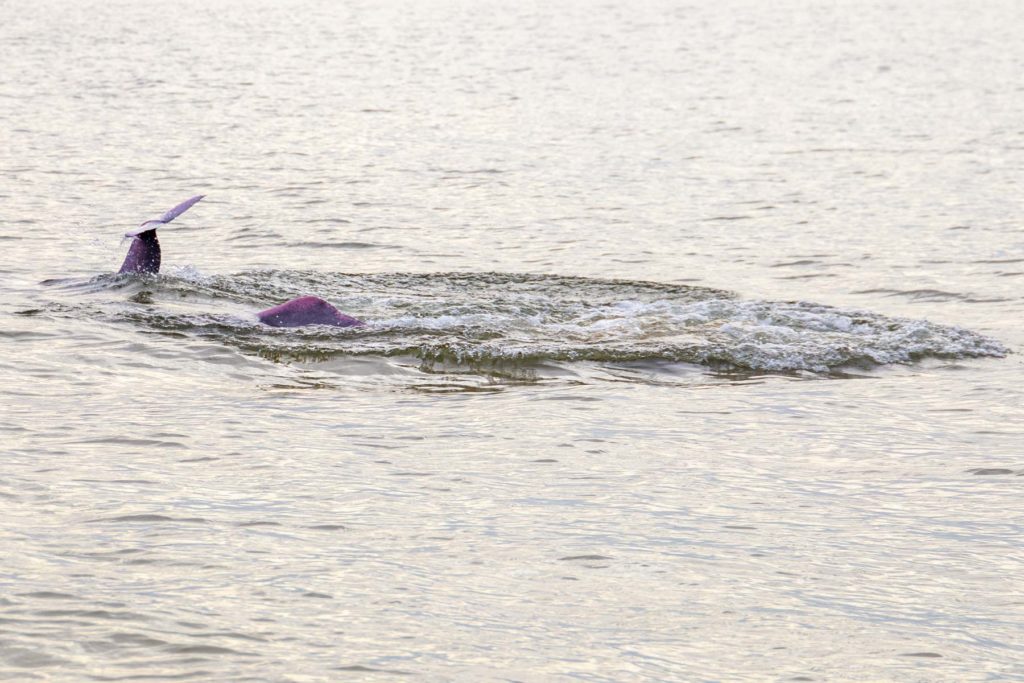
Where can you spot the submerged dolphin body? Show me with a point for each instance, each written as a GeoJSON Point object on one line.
{"type": "Point", "coordinates": [144, 257]}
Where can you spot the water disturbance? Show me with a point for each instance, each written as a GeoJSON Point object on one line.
{"type": "Point", "coordinates": [495, 322]}
{"type": "Point", "coordinates": [693, 347]}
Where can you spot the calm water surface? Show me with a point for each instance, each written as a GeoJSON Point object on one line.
{"type": "Point", "coordinates": [694, 349]}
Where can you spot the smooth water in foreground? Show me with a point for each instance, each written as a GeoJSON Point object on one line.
{"type": "Point", "coordinates": [693, 347]}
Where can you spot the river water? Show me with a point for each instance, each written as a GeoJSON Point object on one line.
{"type": "Point", "coordinates": [693, 347]}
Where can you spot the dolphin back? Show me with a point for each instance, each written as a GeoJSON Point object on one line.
{"type": "Point", "coordinates": [306, 310]}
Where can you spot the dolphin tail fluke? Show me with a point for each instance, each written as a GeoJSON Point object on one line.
{"type": "Point", "coordinates": [166, 218]}
{"type": "Point", "coordinates": [180, 209]}
{"type": "Point", "coordinates": [144, 254]}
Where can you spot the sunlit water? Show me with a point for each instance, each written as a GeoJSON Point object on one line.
{"type": "Point", "coordinates": [693, 346]}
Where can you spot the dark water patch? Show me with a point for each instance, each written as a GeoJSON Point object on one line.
{"type": "Point", "coordinates": [200, 674]}
{"type": "Point", "coordinates": [583, 558]}
{"type": "Point", "coordinates": [454, 386]}
{"type": "Point", "coordinates": [26, 335]}
{"type": "Point", "coordinates": [474, 171]}
{"type": "Point", "coordinates": [90, 614]}
{"type": "Point", "coordinates": [714, 219]}
{"type": "Point", "coordinates": [328, 221]}
{"type": "Point", "coordinates": [359, 668]}
{"type": "Point", "coordinates": [229, 634]}
{"type": "Point", "coordinates": [49, 595]}
{"type": "Point", "coordinates": [990, 471]}
{"type": "Point", "coordinates": [148, 518]}
{"type": "Point", "coordinates": [932, 295]}
{"type": "Point", "coordinates": [191, 624]}
{"type": "Point", "coordinates": [807, 276]}
{"type": "Point", "coordinates": [137, 639]}
{"type": "Point", "coordinates": [204, 650]}
{"type": "Point", "coordinates": [124, 441]}
{"type": "Point", "coordinates": [917, 294]}
{"type": "Point", "coordinates": [144, 482]}
{"type": "Point", "coordinates": [926, 655]}
{"type": "Point", "coordinates": [106, 556]}
{"type": "Point", "coordinates": [573, 399]}
{"type": "Point", "coordinates": [800, 262]}
{"type": "Point", "coordinates": [344, 245]}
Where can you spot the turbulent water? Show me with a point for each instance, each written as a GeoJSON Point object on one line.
{"type": "Point", "coordinates": [491, 323]}
{"type": "Point", "coordinates": [693, 342]}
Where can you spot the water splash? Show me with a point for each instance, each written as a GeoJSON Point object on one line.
{"type": "Point", "coordinates": [481, 321]}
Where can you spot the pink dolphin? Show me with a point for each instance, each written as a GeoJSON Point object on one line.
{"type": "Point", "coordinates": [144, 257]}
